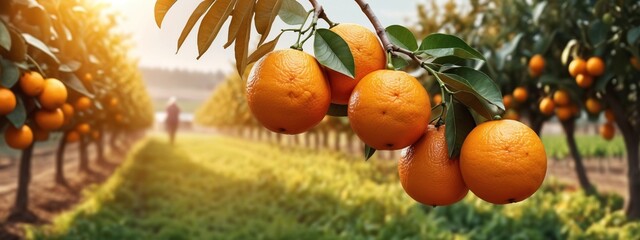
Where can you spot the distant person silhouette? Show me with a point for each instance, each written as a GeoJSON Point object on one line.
{"type": "Point", "coordinates": [173, 120]}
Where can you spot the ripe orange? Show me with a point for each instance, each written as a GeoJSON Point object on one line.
{"type": "Point", "coordinates": [368, 56]}
{"type": "Point", "coordinates": [595, 66]}
{"type": "Point", "coordinates": [608, 114]}
{"type": "Point", "coordinates": [88, 78]}
{"type": "Point", "coordinates": [67, 109]}
{"type": "Point", "coordinates": [72, 136]}
{"type": "Point", "coordinates": [635, 63]}
{"type": "Point", "coordinates": [536, 65]}
{"type": "Point", "coordinates": [503, 161]}
{"type": "Point", "coordinates": [520, 94]}
{"type": "Point", "coordinates": [49, 120]}
{"type": "Point", "coordinates": [32, 83]}
{"type": "Point", "coordinates": [53, 95]}
{"type": "Point", "coordinates": [507, 100]}
{"type": "Point", "coordinates": [564, 113]}
{"type": "Point", "coordinates": [83, 128]}
{"type": "Point", "coordinates": [39, 134]}
{"type": "Point", "coordinates": [593, 106]}
{"type": "Point", "coordinates": [437, 99]}
{"type": "Point", "coordinates": [511, 114]}
{"type": "Point", "coordinates": [546, 106]}
{"type": "Point", "coordinates": [7, 101]}
{"type": "Point", "coordinates": [584, 80]}
{"type": "Point", "coordinates": [95, 134]}
{"type": "Point", "coordinates": [428, 175]}
{"type": "Point", "coordinates": [287, 91]}
{"type": "Point", "coordinates": [575, 110]}
{"type": "Point", "coordinates": [113, 102]}
{"type": "Point", "coordinates": [561, 98]}
{"type": "Point", "coordinates": [389, 109]}
{"type": "Point", "coordinates": [119, 118]}
{"type": "Point", "coordinates": [18, 138]}
{"type": "Point", "coordinates": [83, 104]}
{"type": "Point", "coordinates": [577, 66]}
{"type": "Point", "coordinates": [607, 131]}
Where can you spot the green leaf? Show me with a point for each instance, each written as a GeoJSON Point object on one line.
{"type": "Point", "coordinates": [337, 110]}
{"type": "Point", "coordinates": [633, 35]}
{"type": "Point", "coordinates": [292, 12]}
{"type": "Point", "coordinates": [212, 23]}
{"type": "Point", "coordinates": [475, 89]}
{"type": "Point", "coordinates": [5, 36]}
{"type": "Point", "coordinates": [439, 44]}
{"type": "Point", "coordinates": [368, 152]}
{"type": "Point", "coordinates": [19, 114]}
{"type": "Point", "coordinates": [398, 62]}
{"type": "Point", "coordinates": [9, 73]}
{"type": "Point", "coordinates": [161, 9]}
{"type": "Point", "coordinates": [507, 50]}
{"type": "Point", "coordinates": [195, 16]}
{"type": "Point", "coordinates": [402, 37]}
{"type": "Point", "coordinates": [333, 52]}
{"type": "Point", "coordinates": [597, 32]}
{"type": "Point", "coordinates": [36, 43]}
{"type": "Point", "coordinates": [73, 82]}
{"type": "Point", "coordinates": [436, 112]}
{"type": "Point", "coordinates": [458, 123]}
{"type": "Point", "coordinates": [538, 10]}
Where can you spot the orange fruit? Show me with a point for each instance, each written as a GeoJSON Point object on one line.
{"type": "Point", "coordinates": [536, 65]}
{"type": "Point", "coordinates": [577, 66]}
{"type": "Point", "coordinates": [593, 106]}
{"type": "Point", "coordinates": [575, 110]}
{"type": "Point", "coordinates": [287, 91]}
{"type": "Point", "coordinates": [564, 113]}
{"type": "Point", "coordinates": [389, 109]}
{"type": "Point", "coordinates": [368, 56]}
{"type": "Point", "coordinates": [607, 131]}
{"type": "Point", "coordinates": [18, 138]}
{"type": "Point", "coordinates": [546, 106]}
{"type": "Point", "coordinates": [113, 102]}
{"type": "Point", "coordinates": [428, 175]}
{"type": "Point", "coordinates": [584, 80]}
{"type": "Point", "coordinates": [595, 66]}
{"type": "Point", "coordinates": [67, 110]}
{"type": "Point", "coordinates": [507, 100]}
{"type": "Point", "coordinates": [53, 95]}
{"type": "Point", "coordinates": [561, 98]}
{"type": "Point", "coordinates": [95, 134]}
{"type": "Point", "coordinates": [635, 63]}
{"type": "Point", "coordinates": [72, 136]}
{"type": "Point", "coordinates": [83, 104]}
{"type": "Point", "coordinates": [7, 101]}
{"type": "Point", "coordinates": [511, 114]}
{"type": "Point", "coordinates": [39, 134]}
{"type": "Point", "coordinates": [32, 83]}
{"type": "Point", "coordinates": [520, 94]}
{"type": "Point", "coordinates": [88, 78]}
{"type": "Point", "coordinates": [49, 120]}
{"type": "Point", "coordinates": [437, 99]}
{"type": "Point", "coordinates": [503, 161]}
{"type": "Point", "coordinates": [608, 114]}
{"type": "Point", "coordinates": [119, 118]}
{"type": "Point", "coordinates": [83, 128]}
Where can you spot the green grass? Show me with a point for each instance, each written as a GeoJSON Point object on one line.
{"type": "Point", "coordinates": [590, 146]}
{"type": "Point", "coordinates": [223, 188]}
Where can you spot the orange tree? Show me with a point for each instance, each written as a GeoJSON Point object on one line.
{"type": "Point", "coordinates": [288, 91]}
{"type": "Point", "coordinates": [64, 70]}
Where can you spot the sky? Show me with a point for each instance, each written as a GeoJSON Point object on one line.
{"type": "Point", "coordinates": [157, 47]}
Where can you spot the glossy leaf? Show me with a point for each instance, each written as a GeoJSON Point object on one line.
{"type": "Point", "coordinates": [399, 62]}
{"type": "Point", "coordinates": [10, 74]}
{"type": "Point", "coordinates": [212, 22]}
{"type": "Point", "coordinates": [292, 12]}
{"type": "Point", "coordinates": [337, 110]}
{"type": "Point", "coordinates": [160, 10]}
{"type": "Point", "coordinates": [242, 11]}
{"type": "Point", "coordinates": [597, 32]}
{"type": "Point", "coordinates": [402, 37]}
{"type": "Point", "coordinates": [36, 43]}
{"type": "Point", "coordinates": [474, 89]}
{"type": "Point", "coordinates": [19, 114]}
{"type": "Point", "coordinates": [633, 35]}
{"type": "Point", "coordinates": [458, 123]}
{"type": "Point", "coordinates": [73, 82]}
{"type": "Point", "coordinates": [266, 12]}
{"type": "Point", "coordinates": [436, 112]}
{"type": "Point", "coordinates": [368, 152]}
{"type": "Point", "coordinates": [333, 52]}
{"type": "Point", "coordinates": [195, 16]}
{"type": "Point", "coordinates": [264, 49]}
{"type": "Point", "coordinates": [439, 45]}
{"type": "Point", "coordinates": [538, 10]}
{"type": "Point", "coordinates": [5, 37]}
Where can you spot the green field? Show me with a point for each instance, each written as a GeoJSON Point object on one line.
{"type": "Point", "coordinates": [590, 146]}
{"type": "Point", "coordinates": [223, 188]}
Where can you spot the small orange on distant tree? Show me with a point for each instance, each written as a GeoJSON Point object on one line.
{"type": "Point", "coordinates": [83, 104]}
{"type": "Point", "coordinates": [72, 136]}
{"type": "Point", "coordinates": [635, 63]}
{"type": "Point", "coordinates": [561, 98]}
{"type": "Point", "coordinates": [608, 114]}
{"type": "Point", "coordinates": [564, 113]}
{"type": "Point", "coordinates": [18, 138]}
{"type": "Point", "coordinates": [83, 128]}
{"type": "Point", "coordinates": [428, 175]}
{"type": "Point", "coordinates": [95, 134]}
{"type": "Point", "coordinates": [32, 83]}
{"type": "Point", "coordinates": [7, 101]}
{"type": "Point", "coordinates": [54, 94]}
{"type": "Point", "coordinates": [584, 80]}
{"type": "Point", "coordinates": [546, 106]}
{"type": "Point", "coordinates": [88, 77]}
{"type": "Point", "coordinates": [593, 106]}
{"type": "Point", "coordinates": [437, 99]}
{"type": "Point", "coordinates": [607, 131]}
{"type": "Point", "coordinates": [507, 100]}
{"type": "Point", "coordinates": [577, 66]}
{"type": "Point", "coordinates": [595, 66]}
{"type": "Point", "coordinates": [49, 120]}
{"type": "Point", "coordinates": [67, 109]}
{"type": "Point", "coordinates": [536, 65]}
{"type": "Point", "coordinates": [520, 94]}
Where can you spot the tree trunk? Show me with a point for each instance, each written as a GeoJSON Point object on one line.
{"type": "Point", "coordinates": [21, 206]}
{"type": "Point", "coordinates": [59, 176]}
{"type": "Point", "coordinates": [569, 129]}
{"type": "Point", "coordinates": [337, 146]}
{"type": "Point", "coordinates": [84, 156]}
{"type": "Point", "coordinates": [100, 149]}
{"type": "Point", "coordinates": [325, 140]}
{"type": "Point", "coordinates": [536, 123]}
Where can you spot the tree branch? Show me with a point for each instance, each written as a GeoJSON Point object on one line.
{"type": "Point", "coordinates": [319, 12]}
